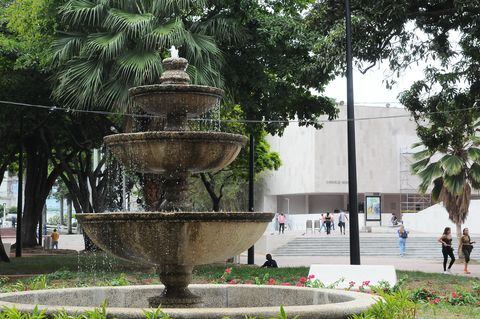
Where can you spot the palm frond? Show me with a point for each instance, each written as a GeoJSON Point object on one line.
{"type": "Point", "coordinates": [165, 35]}
{"type": "Point", "coordinates": [84, 12]}
{"type": "Point", "coordinates": [134, 24]}
{"type": "Point", "coordinates": [455, 183]}
{"type": "Point", "coordinates": [419, 165]}
{"type": "Point", "coordinates": [427, 175]}
{"type": "Point", "coordinates": [139, 67]}
{"type": "Point", "coordinates": [169, 6]}
{"type": "Point", "coordinates": [422, 154]}
{"type": "Point", "coordinates": [437, 189]}
{"type": "Point", "coordinates": [474, 154]}
{"type": "Point", "coordinates": [452, 164]}
{"type": "Point", "coordinates": [67, 46]}
{"type": "Point", "coordinates": [474, 173]}
{"type": "Point", "coordinates": [106, 45]}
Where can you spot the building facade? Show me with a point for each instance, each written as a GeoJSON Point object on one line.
{"type": "Point", "coordinates": [313, 177]}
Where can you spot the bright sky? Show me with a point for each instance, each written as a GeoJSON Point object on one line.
{"type": "Point", "coordinates": [370, 88]}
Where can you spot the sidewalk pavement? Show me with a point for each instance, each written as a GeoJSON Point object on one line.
{"type": "Point", "coordinates": [75, 242]}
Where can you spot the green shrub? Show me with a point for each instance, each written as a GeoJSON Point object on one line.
{"type": "Point", "coordinates": [391, 306]}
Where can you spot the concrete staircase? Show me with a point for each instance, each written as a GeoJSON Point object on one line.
{"type": "Point", "coordinates": [378, 246]}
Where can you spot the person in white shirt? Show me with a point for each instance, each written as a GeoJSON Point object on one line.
{"type": "Point", "coordinates": [342, 220]}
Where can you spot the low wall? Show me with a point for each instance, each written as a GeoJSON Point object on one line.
{"type": "Point", "coordinates": [435, 218]}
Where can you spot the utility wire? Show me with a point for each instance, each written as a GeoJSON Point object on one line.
{"type": "Point", "coordinates": [56, 108]}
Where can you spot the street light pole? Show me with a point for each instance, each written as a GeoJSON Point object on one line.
{"type": "Point", "coordinates": [251, 201]}
{"type": "Point", "coordinates": [18, 246]}
{"type": "Point", "coordinates": [352, 165]}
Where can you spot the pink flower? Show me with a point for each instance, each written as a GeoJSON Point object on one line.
{"type": "Point", "coordinates": [435, 301]}
{"type": "Point", "coordinates": [366, 283]}
{"type": "Point", "coordinates": [303, 280]}
{"type": "Point", "coordinates": [232, 282]}
{"type": "Point", "coordinates": [271, 281]}
{"type": "Point", "coordinates": [228, 270]}
{"type": "Point", "coordinates": [299, 284]}
{"type": "Point", "coordinates": [248, 282]}
{"type": "Point", "coordinates": [351, 283]}
{"type": "Point", "coordinates": [285, 284]}
{"type": "Point", "coordinates": [311, 276]}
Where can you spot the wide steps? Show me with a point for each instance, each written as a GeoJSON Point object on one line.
{"type": "Point", "coordinates": [417, 247]}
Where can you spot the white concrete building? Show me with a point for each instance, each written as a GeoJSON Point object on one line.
{"type": "Point", "coordinates": [9, 190]}
{"type": "Point", "coordinates": [313, 177]}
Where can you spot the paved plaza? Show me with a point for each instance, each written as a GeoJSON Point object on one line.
{"type": "Point", "coordinates": [296, 249]}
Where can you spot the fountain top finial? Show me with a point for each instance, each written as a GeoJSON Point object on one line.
{"type": "Point", "coordinates": [173, 52]}
{"type": "Point", "coordinates": [175, 69]}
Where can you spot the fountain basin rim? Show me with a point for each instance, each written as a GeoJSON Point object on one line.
{"type": "Point", "coordinates": [175, 136]}
{"type": "Point", "coordinates": [177, 216]}
{"type": "Point", "coordinates": [176, 88]}
{"type": "Point", "coordinates": [357, 303]}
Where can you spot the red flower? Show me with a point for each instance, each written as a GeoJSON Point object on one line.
{"type": "Point", "coordinates": [311, 276]}
{"type": "Point", "coordinates": [303, 280]}
{"type": "Point", "coordinates": [228, 270]}
{"type": "Point", "coordinates": [299, 284]}
{"type": "Point", "coordinates": [232, 282]}
{"type": "Point", "coordinates": [454, 295]}
{"type": "Point", "coordinates": [285, 284]}
{"type": "Point", "coordinates": [435, 301]}
{"type": "Point", "coordinates": [351, 283]}
{"type": "Point", "coordinates": [271, 281]}
{"type": "Point", "coordinates": [366, 283]}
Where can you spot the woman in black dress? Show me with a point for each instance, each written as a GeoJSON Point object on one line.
{"type": "Point", "coordinates": [447, 249]}
{"type": "Point", "coordinates": [467, 246]}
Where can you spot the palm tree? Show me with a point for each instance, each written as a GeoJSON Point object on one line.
{"type": "Point", "coordinates": [108, 46]}
{"type": "Point", "coordinates": [453, 174]}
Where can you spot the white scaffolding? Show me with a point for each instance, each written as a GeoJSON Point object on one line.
{"type": "Point", "coordinates": [410, 200]}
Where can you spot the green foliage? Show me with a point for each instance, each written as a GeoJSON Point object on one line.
{"type": "Point", "coordinates": [106, 47]}
{"type": "Point", "coordinates": [391, 306]}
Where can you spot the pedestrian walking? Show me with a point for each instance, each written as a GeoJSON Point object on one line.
{"type": "Point", "coordinates": [332, 220]}
{"type": "Point", "coordinates": [342, 220]}
{"type": "Point", "coordinates": [467, 246]}
{"type": "Point", "coordinates": [447, 249]}
{"type": "Point", "coordinates": [402, 239]}
{"type": "Point", "coordinates": [281, 223]}
{"type": "Point", "coordinates": [55, 236]}
{"type": "Point", "coordinates": [323, 223]}
{"type": "Point", "coordinates": [328, 222]}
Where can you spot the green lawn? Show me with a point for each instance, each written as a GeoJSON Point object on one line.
{"type": "Point", "coordinates": [99, 269]}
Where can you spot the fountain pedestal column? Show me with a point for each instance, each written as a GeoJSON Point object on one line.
{"type": "Point", "coordinates": [176, 294]}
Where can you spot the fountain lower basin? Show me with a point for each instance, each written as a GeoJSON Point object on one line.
{"type": "Point", "coordinates": [175, 242]}
{"type": "Point", "coordinates": [232, 301]}
{"type": "Point", "coordinates": [174, 151]}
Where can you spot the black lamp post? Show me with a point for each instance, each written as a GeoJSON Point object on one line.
{"type": "Point", "coordinates": [352, 165]}
{"type": "Point", "coordinates": [251, 175]}
{"type": "Point", "coordinates": [18, 245]}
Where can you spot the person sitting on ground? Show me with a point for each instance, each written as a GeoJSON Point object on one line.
{"type": "Point", "coordinates": [55, 236]}
{"type": "Point", "coordinates": [270, 263]}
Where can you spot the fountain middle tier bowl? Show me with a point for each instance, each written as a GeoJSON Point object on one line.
{"type": "Point", "coordinates": [174, 151]}
{"type": "Point", "coordinates": [175, 238]}
{"type": "Point", "coordinates": [162, 99]}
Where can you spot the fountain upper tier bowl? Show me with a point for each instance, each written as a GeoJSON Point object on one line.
{"type": "Point", "coordinates": [175, 151]}
{"type": "Point", "coordinates": [164, 99]}
{"type": "Point", "coordinates": [175, 238]}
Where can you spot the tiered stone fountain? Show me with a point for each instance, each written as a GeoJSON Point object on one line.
{"type": "Point", "coordinates": [175, 239]}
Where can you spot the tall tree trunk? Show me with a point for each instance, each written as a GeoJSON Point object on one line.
{"type": "Point", "coordinates": [62, 221]}
{"type": "Point", "coordinates": [69, 216]}
{"type": "Point", "coordinates": [38, 184]}
{"type": "Point", "coordinates": [459, 238]}
{"type": "Point", "coordinates": [3, 254]}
